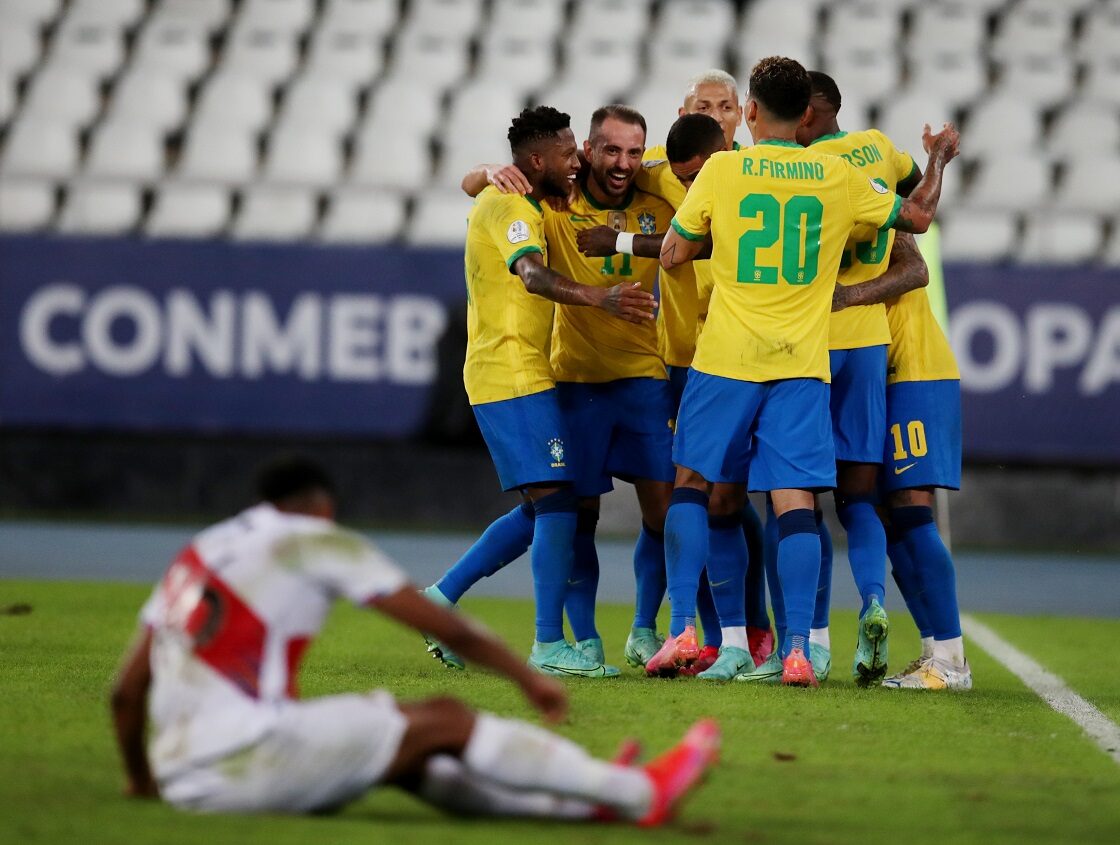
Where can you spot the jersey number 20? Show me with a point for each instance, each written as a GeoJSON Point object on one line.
{"type": "Point", "coordinates": [797, 223]}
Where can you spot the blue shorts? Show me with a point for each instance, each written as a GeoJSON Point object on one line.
{"type": "Point", "coordinates": [859, 403]}
{"type": "Point", "coordinates": [528, 439]}
{"type": "Point", "coordinates": [625, 431]}
{"type": "Point", "coordinates": [923, 440]}
{"type": "Point", "coordinates": [780, 430]}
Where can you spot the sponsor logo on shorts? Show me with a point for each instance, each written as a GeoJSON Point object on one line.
{"type": "Point", "coordinates": [556, 449]}
{"type": "Point", "coordinates": [900, 470]}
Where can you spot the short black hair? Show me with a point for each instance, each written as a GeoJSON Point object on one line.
{"type": "Point", "coordinates": [291, 475]}
{"type": "Point", "coordinates": [694, 135]}
{"type": "Point", "coordinates": [619, 112]}
{"type": "Point", "coordinates": [825, 86]}
{"type": "Point", "coordinates": [782, 86]}
{"type": "Point", "coordinates": [536, 124]}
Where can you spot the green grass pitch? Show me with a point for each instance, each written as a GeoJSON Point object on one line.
{"type": "Point", "coordinates": [834, 765]}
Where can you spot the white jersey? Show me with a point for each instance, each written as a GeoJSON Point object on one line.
{"type": "Point", "coordinates": [231, 620]}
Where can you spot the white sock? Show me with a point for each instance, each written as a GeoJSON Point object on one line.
{"type": "Point", "coordinates": [927, 647]}
{"type": "Point", "coordinates": [736, 637]}
{"type": "Point", "coordinates": [951, 651]}
{"type": "Point", "coordinates": [820, 637]}
{"type": "Point", "coordinates": [523, 757]}
{"type": "Point", "coordinates": [448, 785]}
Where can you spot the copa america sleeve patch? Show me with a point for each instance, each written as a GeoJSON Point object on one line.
{"type": "Point", "coordinates": [879, 186]}
{"type": "Point", "coordinates": [517, 232]}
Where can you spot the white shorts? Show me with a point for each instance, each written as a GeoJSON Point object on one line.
{"type": "Point", "coordinates": [320, 754]}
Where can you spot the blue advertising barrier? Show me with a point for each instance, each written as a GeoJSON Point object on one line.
{"type": "Point", "coordinates": [224, 337]}
{"type": "Point", "coordinates": [218, 336]}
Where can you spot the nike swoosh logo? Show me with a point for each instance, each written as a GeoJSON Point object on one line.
{"type": "Point", "coordinates": [900, 470]}
{"type": "Point", "coordinates": [574, 583]}
{"type": "Point", "coordinates": [719, 583]}
{"type": "Point", "coordinates": [575, 219]}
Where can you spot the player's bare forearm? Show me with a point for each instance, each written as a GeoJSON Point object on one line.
{"type": "Point", "coordinates": [918, 209]}
{"type": "Point", "coordinates": [507, 178]}
{"type": "Point", "coordinates": [677, 249]}
{"type": "Point", "coordinates": [907, 271]}
{"type": "Point", "coordinates": [128, 703]}
{"type": "Point", "coordinates": [474, 181]}
{"type": "Point", "coordinates": [627, 301]}
{"type": "Point", "coordinates": [600, 241]}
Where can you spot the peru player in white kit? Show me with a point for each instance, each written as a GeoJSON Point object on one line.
{"type": "Point", "coordinates": [216, 662]}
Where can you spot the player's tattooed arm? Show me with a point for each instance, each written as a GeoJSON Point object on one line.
{"type": "Point", "coordinates": [677, 249]}
{"type": "Point", "coordinates": [128, 702]}
{"type": "Point", "coordinates": [918, 209]}
{"type": "Point", "coordinates": [507, 178]}
{"type": "Point", "coordinates": [476, 644]}
{"type": "Point", "coordinates": [626, 300]}
{"type": "Point", "coordinates": [907, 271]}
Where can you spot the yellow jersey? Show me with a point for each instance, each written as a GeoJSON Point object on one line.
{"type": "Point", "coordinates": [507, 327]}
{"type": "Point", "coordinates": [780, 216]}
{"type": "Point", "coordinates": [919, 350]}
{"type": "Point", "coordinates": [588, 344]}
{"type": "Point", "coordinates": [655, 177]}
{"type": "Point", "coordinates": [876, 156]}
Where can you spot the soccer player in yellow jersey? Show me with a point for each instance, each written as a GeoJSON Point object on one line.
{"type": "Point", "coordinates": [779, 217]}
{"type": "Point", "coordinates": [509, 381]}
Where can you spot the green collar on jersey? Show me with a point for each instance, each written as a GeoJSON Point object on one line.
{"type": "Point", "coordinates": [831, 137]}
{"type": "Point", "coordinates": [596, 204]}
{"type": "Point", "coordinates": [735, 145]}
{"type": "Point", "coordinates": [777, 142]}
{"type": "Point", "coordinates": [536, 204]}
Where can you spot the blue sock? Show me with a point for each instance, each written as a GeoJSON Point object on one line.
{"type": "Point", "coordinates": [799, 562]}
{"type": "Point", "coordinates": [583, 583]}
{"type": "Point", "coordinates": [727, 569]}
{"type": "Point", "coordinates": [867, 546]}
{"type": "Point", "coordinates": [686, 552]}
{"type": "Point", "coordinates": [770, 558]}
{"type": "Point", "coordinates": [504, 541]}
{"type": "Point", "coordinates": [649, 576]}
{"type": "Point", "coordinates": [706, 610]}
{"type": "Point", "coordinates": [756, 568]}
{"type": "Point", "coordinates": [551, 558]}
{"type": "Point", "coordinates": [935, 565]}
{"type": "Point", "coordinates": [824, 582]}
{"type": "Point", "coordinates": [909, 580]}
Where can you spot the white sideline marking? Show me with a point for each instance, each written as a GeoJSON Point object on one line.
{"type": "Point", "coordinates": [1047, 686]}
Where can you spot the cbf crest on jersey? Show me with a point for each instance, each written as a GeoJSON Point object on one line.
{"type": "Point", "coordinates": [647, 223]}
{"type": "Point", "coordinates": [556, 449]}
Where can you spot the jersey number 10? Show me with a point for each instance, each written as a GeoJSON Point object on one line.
{"type": "Point", "coordinates": [797, 223]}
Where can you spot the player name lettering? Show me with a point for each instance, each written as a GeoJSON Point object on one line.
{"type": "Point", "coordinates": [812, 170]}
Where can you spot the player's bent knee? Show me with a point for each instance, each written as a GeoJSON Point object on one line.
{"type": "Point", "coordinates": [726, 501]}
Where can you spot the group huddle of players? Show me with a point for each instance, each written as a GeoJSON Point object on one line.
{"type": "Point", "coordinates": [791, 351]}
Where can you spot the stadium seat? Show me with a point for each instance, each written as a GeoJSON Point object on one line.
{"type": "Point", "coordinates": [87, 46]}
{"type": "Point", "coordinates": [995, 121]}
{"type": "Point", "coordinates": [861, 25]}
{"type": "Point", "coordinates": [173, 47]}
{"type": "Point", "coordinates": [434, 62]}
{"type": "Point", "coordinates": [951, 76]}
{"type": "Point", "coordinates": [986, 236]}
{"type": "Point", "coordinates": [1085, 128]}
{"type": "Point", "coordinates": [319, 104]}
{"type": "Point", "coordinates": [440, 219]}
{"type": "Point", "coordinates": [235, 101]}
{"type": "Point", "coordinates": [303, 155]}
{"type": "Point", "coordinates": [1051, 238]}
{"type": "Point", "coordinates": [516, 63]}
{"type": "Point", "coordinates": [621, 21]}
{"type": "Point", "coordinates": [869, 73]}
{"type": "Point", "coordinates": [188, 210]}
{"type": "Point", "coordinates": [219, 153]}
{"type": "Point", "coordinates": [30, 12]}
{"type": "Point", "coordinates": [578, 100]}
{"type": "Point", "coordinates": [479, 110]}
{"type": "Point", "coordinates": [461, 156]}
{"type": "Point", "coordinates": [8, 97]}
{"type": "Point", "coordinates": [396, 110]}
{"type": "Point", "coordinates": [202, 15]}
{"type": "Point", "coordinates": [1020, 180]}
{"type": "Point", "coordinates": [19, 48]}
{"type": "Point", "coordinates": [960, 26]}
{"type": "Point", "coordinates": [288, 16]}
{"type": "Point", "coordinates": [347, 59]}
{"type": "Point", "coordinates": [1111, 255]}
{"type": "Point", "coordinates": [35, 147]}
{"type": "Point", "coordinates": [1102, 81]}
{"type": "Point", "coordinates": [361, 216]}
{"type": "Point", "coordinates": [1044, 80]}
{"type": "Point", "coordinates": [270, 213]}
{"type": "Point", "coordinates": [658, 104]}
{"type": "Point", "coordinates": [369, 17]}
{"type": "Point", "coordinates": [25, 205]}
{"type": "Point", "coordinates": [1089, 184]}
{"type": "Point", "coordinates": [100, 208]}
{"type": "Point", "coordinates": [710, 22]}
{"type": "Point", "coordinates": [751, 49]}
{"type": "Point", "coordinates": [267, 55]}
{"type": "Point", "coordinates": [673, 61]}
{"type": "Point", "coordinates": [779, 21]}
{"type": "Point", "coordinates": [119, 14]}
{"type": "Point", "coordinates": [129, 151]}
{"type": "Point", "coordinates": [391, 161]}
{"type": "Point", "coordinates": [601, 63]}
{"type": "Point", "coordinates": [439, 17]}
{"type": "Point", "coordinates": [62, 96]}
{"type": "Point", "coordinates": [1040, 27]}
{"type": "Point", "coordinates": [149, 98]}
{"type": "Point", "coordinates": [902, 118]}
{"type": "Point", "coordinates": [530, 18]}
{"type": "Point", "coordinates": [1100, 32]}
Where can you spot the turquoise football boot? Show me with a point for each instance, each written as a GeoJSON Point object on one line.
{"type": "Point", "coordinates": [435, 648]}
{"type": "Point", "coordinates": [731, 662]}
{"type": "Point", "coordinates": [770, 672]}
{"type": "Point", "coordinates": [869, 665]}
{"type": "Point", "coordinates": [563, 659]}
{"type": "Point", "coordinates": [641, 645]}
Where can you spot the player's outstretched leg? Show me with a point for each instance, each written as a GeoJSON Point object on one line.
{"type": "Point", "coordinates": [686, 548]}
{"type": "Point", "coordinates": [905, 572]}
{"type": "Point", "coordinates": [770, 670]}
{"type": "Point", "coordinates": [727, 571]}
{"type": "Point", "coordinates": [820, 645]}
{"type": "Point", "coordinates": [759, 636]}
{"type": "Point", "coordinates": [649, 580]}
{"type": "Point", "coordinates": [867, 553]}
{"type": "Point", "coordinates": [583, 586]}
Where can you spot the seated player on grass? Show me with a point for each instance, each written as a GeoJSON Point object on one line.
{"type": "Point", "coordinates": [219, 649]}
